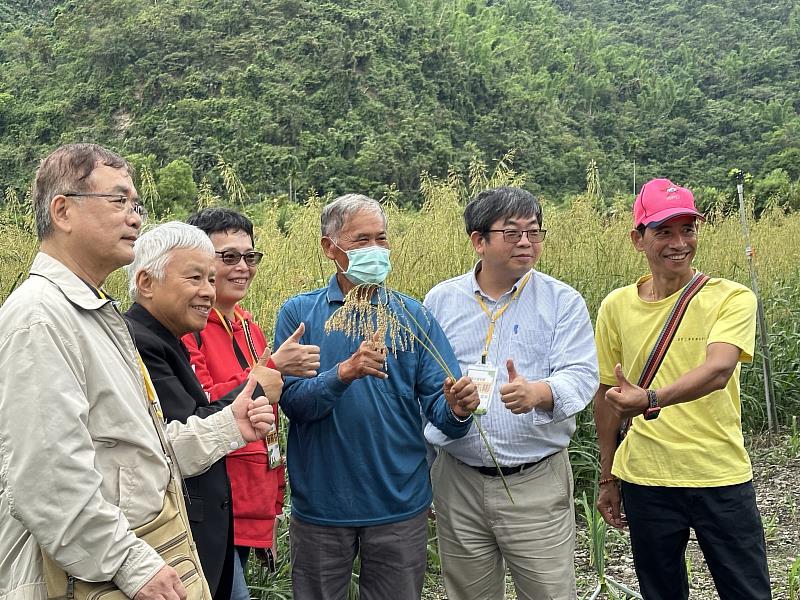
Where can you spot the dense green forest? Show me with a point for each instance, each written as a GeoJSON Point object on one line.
{"type": "Point", "coordinates": [336, 96]}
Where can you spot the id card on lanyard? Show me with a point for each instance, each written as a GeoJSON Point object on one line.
{"type": "Point", "coordinates": [484, 376]}
{"type": "Point", "coordinates": [272, 443]}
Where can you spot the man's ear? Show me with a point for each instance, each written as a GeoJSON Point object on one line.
{"type": "Point", "coordinates": [61, 210]}
{"type": "Point", "coordinates": [144, 285]}
{"type": "Point", "coordinates": [478, 242]}
{"type": "Point", "coordinates": [637, 239]}
{"type": "Point", "coordinates": [328, 247]}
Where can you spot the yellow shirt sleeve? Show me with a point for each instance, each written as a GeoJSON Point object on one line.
{"type": "Point", "coordinates": [736, 323]}
{"type": "Point", "coordinates": [606, 338]}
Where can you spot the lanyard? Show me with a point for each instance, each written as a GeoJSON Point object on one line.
{"type": "Point", "coordinates": [148, 383]}
{"type": "Point", "coordinates": [149, 388]}
{"type": "Point", "coordinates": [247, 336]}
{"type": "Point", "coordinates": [493, 318]}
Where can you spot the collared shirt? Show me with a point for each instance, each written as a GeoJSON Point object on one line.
{"type": "Point", "coordinates": [546, 330]}
{"type": "Point", "coordinates": [356, 452]}
{"type": "Point", "coordinates": [81, 463]}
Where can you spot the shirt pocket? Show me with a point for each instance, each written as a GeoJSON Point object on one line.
{"type": "Point", "coordinates": [401, 366]}
{"type": "Point", "coordinates": [530, 349]}
{"type": "Point", "coordinates": [136, 493]}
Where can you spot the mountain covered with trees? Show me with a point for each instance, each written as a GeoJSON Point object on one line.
{"type": "Point", "coordinates": [335, 95]}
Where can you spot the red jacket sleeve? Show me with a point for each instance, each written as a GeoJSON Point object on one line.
{"type": "Point", "coordinates": [198, 360]}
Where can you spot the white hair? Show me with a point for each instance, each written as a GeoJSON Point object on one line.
{"type": "Point", "coordinates": [336, 214]}
{"type": "Point", "coordinates": [153, 250]}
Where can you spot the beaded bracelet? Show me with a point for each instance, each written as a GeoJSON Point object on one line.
{"type": "Point", "coordinates": [460, 419]}
{"type": "Point", "coordinates": [611, 479]}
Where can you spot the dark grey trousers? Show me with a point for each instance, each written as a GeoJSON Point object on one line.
{"type": "Point", "coordinates": [392, 556]}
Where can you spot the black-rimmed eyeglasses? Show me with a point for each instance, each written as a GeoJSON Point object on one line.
{"type": "Point", "coordinates": [231, 257]}
{"type": "Point", "coordinates": [513, 236]}
{"type": "Point", "coordinates": [118, 201]}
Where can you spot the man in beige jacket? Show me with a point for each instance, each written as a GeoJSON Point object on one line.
{"type": "Point", "coordinates": [81, 464]}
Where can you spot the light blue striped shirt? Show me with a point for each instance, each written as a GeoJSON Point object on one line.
{"type": "Point", "coordinates": [547, 332]}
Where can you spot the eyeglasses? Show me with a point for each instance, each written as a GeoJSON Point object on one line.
{"type": "Point", "coordinates": [231, 257]}
{"type": "Point", "coordinates": [513, 236]}
{"type": "Point", "coordinates": [118, 201]}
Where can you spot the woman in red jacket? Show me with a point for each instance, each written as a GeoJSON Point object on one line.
{"type": "Point", "coordinates": [222, 355]}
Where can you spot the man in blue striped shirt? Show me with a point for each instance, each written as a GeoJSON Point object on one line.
{"type": "Point", "coordinates": [533, 333]}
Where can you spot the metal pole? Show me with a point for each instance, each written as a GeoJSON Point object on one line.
{"type": "Point", "coordinates": [629, 593]}
{"type": "Point", "coordinates": [766, 361]}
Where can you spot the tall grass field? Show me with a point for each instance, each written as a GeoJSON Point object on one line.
{"type": "Point", "coordinates": [588, 246]}
{"type": "Point", "coordinates": [586, 249]}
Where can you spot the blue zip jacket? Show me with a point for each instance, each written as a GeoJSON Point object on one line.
{"type": "Point", "coordinates": [356, 453]}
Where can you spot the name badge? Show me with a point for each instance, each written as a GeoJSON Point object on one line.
{"type": "Point", "coordinates": [273, 450]}
{"type": "Point", "coordinates": [484, 378]}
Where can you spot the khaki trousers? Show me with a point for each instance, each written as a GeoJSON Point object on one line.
{"type": "Point", "coordinates": [481, 532]}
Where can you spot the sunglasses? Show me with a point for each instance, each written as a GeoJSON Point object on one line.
{"type": "Point", "coordinates": [231, 257]}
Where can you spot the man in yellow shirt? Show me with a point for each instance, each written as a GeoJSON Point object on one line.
{"type": "Point", "coordinates": [687, 468]}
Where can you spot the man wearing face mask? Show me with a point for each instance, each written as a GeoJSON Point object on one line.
{"type": "Point", "coordinates": [356, 452]}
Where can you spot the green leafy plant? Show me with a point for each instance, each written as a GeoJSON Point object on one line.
{"type": "Point", "coordinates": [793, 586]}
{"type": "Point", "coordinates": [597, 530]}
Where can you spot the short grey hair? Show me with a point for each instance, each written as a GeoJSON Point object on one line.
{"type": "Point", "coordinates": [335, 215]}
{"type": "Point", "coordinates": [153, 250]}
{"type": "Point", "coordinates": [66, 170]}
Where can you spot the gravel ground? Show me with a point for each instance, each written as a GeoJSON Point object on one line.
{"type": "Point", "coordinates": [776, 469]}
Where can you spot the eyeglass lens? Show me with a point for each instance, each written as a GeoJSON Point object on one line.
{"type": "Point", "coordinates": [514, 236]}
{"type": "Point", "coordinates": [231, 257]}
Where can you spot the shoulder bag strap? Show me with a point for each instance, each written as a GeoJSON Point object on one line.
{"type": "Point", "coordinates": [666, 336]}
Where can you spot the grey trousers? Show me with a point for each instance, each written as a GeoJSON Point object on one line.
{"type": "Point", "coordinates": [393, 559]}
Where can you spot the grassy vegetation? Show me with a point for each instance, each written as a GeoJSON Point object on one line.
{"type": "Point", "coordinates": [588, 250]}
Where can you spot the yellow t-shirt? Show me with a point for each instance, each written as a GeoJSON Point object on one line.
{"type": "Point", "coordinates": [693, 444]}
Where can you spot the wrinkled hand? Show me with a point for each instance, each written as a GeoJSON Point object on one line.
{"type": "Point", "coordinates": [609, 505]}
{"type": "Point", "coordinates": [269, 379]}
{"type": "Point", "coordinates": [294, 358]}
{"type": "Point", "coordinates": [462, 396]}
{"type": "Point", "coordinates": [369, 359]}
{"type": "Point", "coordinates": [255, 418]}
{"type": "Point", "coordinates": [626, 399]}
{"type": "Point", "coordinates": [164, 585]}
{"type": "Point", "coordinates": [522, 396]}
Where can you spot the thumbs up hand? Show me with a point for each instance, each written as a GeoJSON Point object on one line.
{"type": "Point", "coordinates": [255, 417]}
{"type": "Point", "coordinates": [626, 399]}
{"type": "Point", "coordinates": [294, 358]}
{"type": "Point", "coordinates": [269, 379]}
{"type": "Point", "coordinates": [264, 358]}
{"type": "Point", "coordinates": [521, 396]}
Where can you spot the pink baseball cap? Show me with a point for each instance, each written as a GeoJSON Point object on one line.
{"type": "Point", "coordinates": [660, 200]}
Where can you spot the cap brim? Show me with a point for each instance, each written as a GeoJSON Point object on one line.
{"type": "Point", "coordinates": [670, 213]}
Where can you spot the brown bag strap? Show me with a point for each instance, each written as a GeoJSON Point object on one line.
{"type": "Point", "coordinates": [659, 351]}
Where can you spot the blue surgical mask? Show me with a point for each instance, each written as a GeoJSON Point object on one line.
{"type": "Point", "coordinates": [367, 265]}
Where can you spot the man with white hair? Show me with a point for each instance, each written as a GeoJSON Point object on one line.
{"type": "Point", "coordinates": [81, 458]}
{"type": "Point", "coordinates": [356, 452]}
{"type": "Point", "coordinates": [171, 281]}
